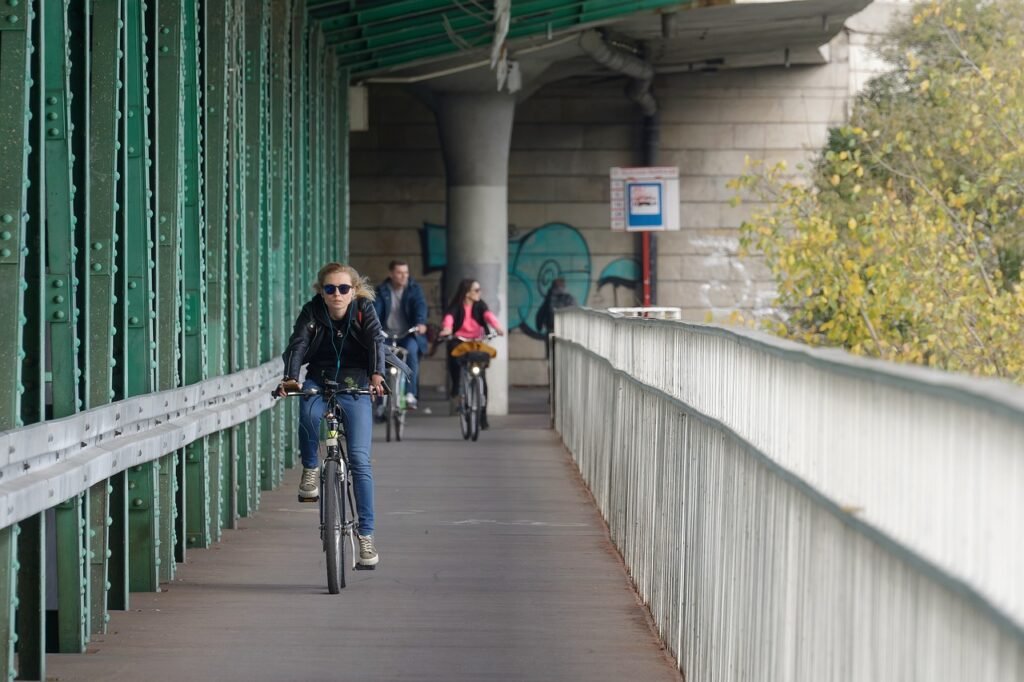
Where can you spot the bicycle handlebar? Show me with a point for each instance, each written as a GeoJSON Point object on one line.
{"type": "Point", "coordinates": [398, 337]}
{"type": "Point", "coordinates": [486, 337]}
{"type": "Point", "coordinates": [312, 391]}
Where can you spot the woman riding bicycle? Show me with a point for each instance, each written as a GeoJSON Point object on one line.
{"type": "Point", "coordinates": [338, 334]}
{"type": "Point", "coordinates": [469, 317]}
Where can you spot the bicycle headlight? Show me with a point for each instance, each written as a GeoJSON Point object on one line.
{"type": "Point", "coordinates": [476, 370]}
{"type": "Point", "coordinates": [394, 370]}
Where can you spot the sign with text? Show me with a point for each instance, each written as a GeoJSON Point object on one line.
{"type": "Point", "coordinates": [645, 199]}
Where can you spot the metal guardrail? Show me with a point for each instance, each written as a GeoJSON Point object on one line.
{"type": "Point", "coordinates": [47, 463]}
{"type": "Point", "coordinates": [777, 505]}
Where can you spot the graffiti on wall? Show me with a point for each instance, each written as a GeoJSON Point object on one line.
{"type": "Point", "coordinates": [535, 260]}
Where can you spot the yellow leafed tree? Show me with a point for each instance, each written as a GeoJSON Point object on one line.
{"type": "Point", "coordinates": [906, 240]}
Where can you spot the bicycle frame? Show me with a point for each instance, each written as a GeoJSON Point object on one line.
{"type": "Point", "coordinates": [472, 376]}
{"type": "Point", "coordinates": [335, 485]}
{"type": "Point", "coordinates": [395, 405]}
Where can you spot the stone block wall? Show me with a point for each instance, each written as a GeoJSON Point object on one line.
{"type": "Point", "coordinates": [566, 137]}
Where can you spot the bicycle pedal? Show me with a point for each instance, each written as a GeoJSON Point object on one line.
{"type": "Point", "coordinates": [309, 499]}
{"type": "Point", "coordinates": [360, 567]}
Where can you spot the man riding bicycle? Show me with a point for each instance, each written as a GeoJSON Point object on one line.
{"type": "Point", "coordinates": [401, 305]}
{"type": "Point", "coordinates": [337, 335]}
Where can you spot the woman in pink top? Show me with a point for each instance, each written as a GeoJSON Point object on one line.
{"type": "Point", "coordinates": [467, 316]}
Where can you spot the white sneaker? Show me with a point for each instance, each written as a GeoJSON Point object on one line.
{"type": "Point", "coordinates": [410, 401]}
{"type": "Point", "coordinates": [309, 485]}
{"type": "Point", "coordinates": [367, 552]}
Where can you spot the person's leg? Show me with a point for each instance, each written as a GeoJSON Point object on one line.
{"type": "Point", "coordinates": [453, 370]}
{"type": "Point", "coordinates": [412, 359]}
{"type": "Point", "coordinates": [357, 413]}
{"type": "Point", "coordinates": [311, 411]}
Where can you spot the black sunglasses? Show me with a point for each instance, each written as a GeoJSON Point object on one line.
{"type": "Point", "coordinates": [342, 289]}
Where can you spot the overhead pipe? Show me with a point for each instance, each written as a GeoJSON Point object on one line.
{"type": "Point", "coordinates": [641, 71]}
{"type": "Point", "coordinates": [639, 90]}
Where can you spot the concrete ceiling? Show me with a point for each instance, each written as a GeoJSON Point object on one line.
{"type": "Point", "coordinates": [743, 33]}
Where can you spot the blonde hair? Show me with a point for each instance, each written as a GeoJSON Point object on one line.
{"type": "Point", "coordinates": [360, 285]}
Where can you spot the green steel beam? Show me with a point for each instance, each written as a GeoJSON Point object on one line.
{"type": "Point", "coordinates": [215, 97]}
{"type": "Point", "coordinates": [279, 72]}
{"type": "Point", "coordinates": [143, 528]}
{"type": "Point", "coordinates": [167, 82]}
{"type": "Point", "coordinates": [98, 542]}
{"type": "Point", "coordinates": [72, 518]}
{"type": "Point", "coordinates": [8, 598]}
{"type": "Point", "coordinates": [266, 274]}
{"type": "Point", "coordinates": [60, 282]}
{"type": "Point", "coordinates": [98, 162]}
{"type": "Point", "coordinates": [195, 532]}
{"type": "Point", "coordinates": [104, 178]}
{"type": "Point", "coordinates": [137, 358]}
{"type": "Point", "coordinates": [341, 124]}
{"type": "Point", "coordinates": [118, 570]}
{"type": "Point", "coordinates": [79, 59]}
{"type": "Point", "coordinates": [255, 23]}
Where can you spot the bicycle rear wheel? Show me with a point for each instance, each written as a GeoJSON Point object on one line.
{"type": "Point", "coordinates": [334, 521]}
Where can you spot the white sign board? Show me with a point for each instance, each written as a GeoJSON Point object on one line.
{"type": "Point", "coordinates": [645, 199]}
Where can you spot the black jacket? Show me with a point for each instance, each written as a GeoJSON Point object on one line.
{"type": "Point", "coordinates": [458, 314]}
{"type": "Point", "coordinates": [313, 326]}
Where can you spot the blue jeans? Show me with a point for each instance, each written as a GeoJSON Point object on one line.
{"type": "Point", "coordinates": [412, 385]}
{"type": "Point", "coordinates": [357, 417]}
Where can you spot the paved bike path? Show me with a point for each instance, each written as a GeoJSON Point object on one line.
{"type": "Point", "coordinates": [494, 566]}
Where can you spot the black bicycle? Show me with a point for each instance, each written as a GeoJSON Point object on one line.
{"type": "Point", "coordinates": [395, 405]}
{"type": "Point", "coordinates": [335, 477]}
{"type": "Point", "coordinates": [474, 357]}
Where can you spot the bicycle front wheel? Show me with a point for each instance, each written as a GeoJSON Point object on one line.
{"type": "Point", "coordinates": [334, 521]}
{"type": "Point", "coordinates": [389, 417]}
{"type": "Point", "coordinates": [475, 394]}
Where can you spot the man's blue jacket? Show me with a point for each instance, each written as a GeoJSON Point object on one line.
{"type": "Point", "coordinates": [414, 305]}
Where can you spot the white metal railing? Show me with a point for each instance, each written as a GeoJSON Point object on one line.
{"type": "Point", "coordinates": [46, 463]}
{"type": "Point", "coordinates": [799, 511]}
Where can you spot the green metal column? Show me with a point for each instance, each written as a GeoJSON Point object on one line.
{"type": "Point", "coordinates": [278, 101]}
{"type": "Point", "coordinates": [255, 19]}
{"type": "Point", "coordinates": [14, 109]}
{"type": "Point", "coordinates": [266, 271]}
{"type": "Point", "coordinates": [341, 125]}
{"type": "Point", "coordinates": [60, 282]}
{"type": "Point", "coordinates": [98, 239]}
{"type": "Point", "coordinates": [118, 570]}
{"type": "Point", "coordinates": [8, 598]}
{"type": "Point", "coordinates": [138, 315]}
{"type": "Point", "coordinates": [169, 123]}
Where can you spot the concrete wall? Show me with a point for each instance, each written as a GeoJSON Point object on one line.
{"type": "Point", "coordinates": [565, 139]}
